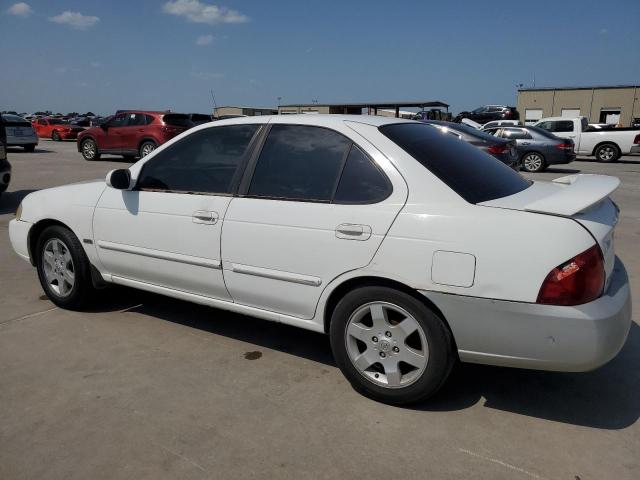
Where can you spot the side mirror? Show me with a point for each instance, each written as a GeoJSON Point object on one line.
{"type": "Point", "coordinates": [119, 179]}
{"type": "Point", "coordinates": [104, 126]}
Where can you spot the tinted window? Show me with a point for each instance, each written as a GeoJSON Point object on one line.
{"type": "Point", "coordinates": [205, 162]}
{"type": "Point", "coordinates": [515, 134]}
{"type": "Point", "coordinates": [557, 126]}
{"type": "Point", "coordinates": [299, 162]}
{"type": "Point", "coordinates": [136, 119]}
{"type": "Point", "coordinates": [118, 121]}
{"type": "Point", "coordinates": [472, 174]}
{"type": "Point", "coordinates": [361, 181]}
{"type": "Point", "coordinates": [148, 119]}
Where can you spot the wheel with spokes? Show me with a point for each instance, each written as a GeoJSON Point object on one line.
{"type": "Point", "coordinates": [533, 162]}
{"type": "Point", "coordinates": [63, 268]}
{"type": "Point", "coordinates": [146, 148]}
{"type": "Point", "coordinates": [90, 149]}
{"type": "Point", "coordinates": [390, 345]}
{"type": "Point", "coordinates": [607, 152]}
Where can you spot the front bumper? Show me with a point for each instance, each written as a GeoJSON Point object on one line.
{"type": "Point", "coordinates": [69, 135]}
{"type": "Point", "coordinates": [541, 337]}
{"type": "Point", "coordinates": [19, 236]}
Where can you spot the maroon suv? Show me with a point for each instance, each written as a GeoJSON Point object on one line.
{"type": "Point", "coordinates": [132, 133]}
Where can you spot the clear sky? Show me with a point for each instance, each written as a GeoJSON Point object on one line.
{"type": "Point", "coordinates": [79, 55]}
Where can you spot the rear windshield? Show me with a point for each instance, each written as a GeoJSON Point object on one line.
{"type": "Point", "coordinates": [543, 132]}
{"type": "Point", "coordinates": [474, 175]}
{"type": "Point", "coordinates": [461, 127]}
{"type": "Point", "coordinates": [200, 118]}
{"type": "Point", "coordinates": [15, 121]}
{"type": "Point", "coordinates": [177, 120]}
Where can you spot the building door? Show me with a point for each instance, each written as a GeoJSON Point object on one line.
{"type": "Point", "coordinates": [532, 115]}
{"type": "Point", "coordinates": [570, 113]}
{"type": "Point", "coordinates": [610, 116]}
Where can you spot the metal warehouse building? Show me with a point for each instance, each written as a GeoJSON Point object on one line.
{"type": "Point", "coordinates": [618, 104]}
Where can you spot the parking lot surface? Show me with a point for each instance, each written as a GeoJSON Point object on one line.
{"type": "Point", "coordinates": [149, 387]}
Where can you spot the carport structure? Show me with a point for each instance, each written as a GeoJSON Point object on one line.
{"type": "Point", "coordinates": [357, 108]}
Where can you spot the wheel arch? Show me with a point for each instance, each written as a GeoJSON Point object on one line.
{"type": "Point", "coordinates": [36, 230]}
{"type": "Point", "coordinates": [374, 281]}
{"type": "Point", "coordinates": [147, 139]}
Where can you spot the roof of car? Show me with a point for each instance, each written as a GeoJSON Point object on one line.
{"type": "Point", "coordinates": [324, 119]}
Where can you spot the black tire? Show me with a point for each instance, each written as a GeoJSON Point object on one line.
{"type": "Point", "coordinates": [89, 150]}
{"type": "Point", "coordinates": [129, 158]}
{"type": "Point", "coordinates": [146, 148]}
{"type": "Point", "coordinates": [29, 148]}
{"type": "Point", "coordinates": [82, 292]}
{"type": "Point", "coordinates": [607, 153]}
{"type": "Point", "coordinates": [533, 162]}
{"type": "Point", "coordinates": [440, 359]}
{"type": "Point", "coordinates": [55, 136]}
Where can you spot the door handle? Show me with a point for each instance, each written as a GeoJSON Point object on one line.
{"type": "Point", "coordinates": [205, 217]}
{"type": "Point", "coordinates": [351, 231]}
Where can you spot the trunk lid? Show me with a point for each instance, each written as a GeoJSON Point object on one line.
{"type": "Point", "coordinates": [583, 198]}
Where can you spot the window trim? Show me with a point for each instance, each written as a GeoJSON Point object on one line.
{"type": "Point", "coordinates": [235, 180]}
{"type": "Point", "coordinates": [245, 184]}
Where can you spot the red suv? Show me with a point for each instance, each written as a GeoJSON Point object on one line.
{"type": "Point", "coordinates": [132, 133]}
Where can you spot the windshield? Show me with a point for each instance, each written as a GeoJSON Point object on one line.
{"type": "Point", "coordinates": [474, 175]}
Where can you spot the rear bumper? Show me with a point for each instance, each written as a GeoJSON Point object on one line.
{"type": "Point", "coordinates": [20, 141]}
{"type": "Point", "coordinates": [19, 236]}
{"type": "Point", "coordinates": [560, 159]}
{"type": "Point", "coordinates": [635, 149]}
{"type": "Point", "coordinates": [541, 337]}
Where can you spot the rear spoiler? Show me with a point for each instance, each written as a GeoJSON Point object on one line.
{"type": "Point", "coordinates": [578, 193]}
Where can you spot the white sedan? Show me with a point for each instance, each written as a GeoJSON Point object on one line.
{"type": "Point", "coordinates": [406, 246]}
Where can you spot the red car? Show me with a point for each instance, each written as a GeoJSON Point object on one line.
{"type": "Point", "coordinates": [56, 129]}
{"type": "Point", "coordinates": [131, 133]}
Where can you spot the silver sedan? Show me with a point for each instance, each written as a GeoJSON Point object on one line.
{"type": "Point", "coordinates": [20, 132]}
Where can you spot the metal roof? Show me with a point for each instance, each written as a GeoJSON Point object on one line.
{"type": "Point", "coordinates": [593, 87]}
{"type": "Point", "coordinates": [415, 103]}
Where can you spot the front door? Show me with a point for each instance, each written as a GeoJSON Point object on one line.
{"type": "Point", "coordinates": [315, 207]}
{"type": "Point", "coordinates": [166, 231]}
{"type": "Point", "coordinates": [114, 131]}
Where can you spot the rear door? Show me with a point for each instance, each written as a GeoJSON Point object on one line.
{"type": "Point", "coordinates": [316, 205]}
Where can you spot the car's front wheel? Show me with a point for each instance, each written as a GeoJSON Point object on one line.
{"type": "Point", "coordinates": [63, 268]}
{"type": "Point", "coordinates": [146, 148]}
{"type": "Point", "coordinates": [390, 345]}
{"type": "Point", "coordinates": [89, 149]}
{"type": "Point", "coordinates": [533, 162]}
{"type": "Point", "coordinates": [55, 136]}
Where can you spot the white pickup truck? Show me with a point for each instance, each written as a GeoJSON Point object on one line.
{"type": "Point", "coordinates": [605, 145]}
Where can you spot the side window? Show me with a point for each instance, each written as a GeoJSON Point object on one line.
{"type": "Point", "coordinates": [299, 163]}
{"type": "Point", "coordinates": [148, 119]}
{"type": "Point", "coordinates": [118, 121]}
{"type": "Point", "coordinates": [563, 126]}
{"type": "Point", "coordinates": [548, 126]}
{"type": "Point", "coordinates": [362, 181]}
{"type": "Point", "coordinates": [516, 134]}
{"type": "Point", "coordinates": [204, 162]}
{"type": "Point", "coordinates": [136, 120]}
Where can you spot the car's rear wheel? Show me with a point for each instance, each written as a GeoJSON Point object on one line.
{"type": "Point", "coordinates": [533, 162]}
{"type": "Point", "coordinates": [390, 345]}
{"type": "Point", "coordinates": [89, 149]}
{"type": "Point", "coordinates": [29, 148]}
{"type": "Point", "coordinates": [146, 148]}
{"type": "Point", "coordinates": [607, 152]}
{"type": "Point", "coordinates": [55, 136]}
{"type": "Point", "coordinates": [63, 268]}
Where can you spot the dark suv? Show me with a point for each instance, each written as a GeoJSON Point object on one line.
{"type": "Point", "coordinates": [132, 134]}
{"type": "Point", "coordinates": [488, 113]}
{"type": "Point", "coordinates": [5, 166]}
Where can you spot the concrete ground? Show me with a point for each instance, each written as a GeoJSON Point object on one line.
{"type": "Point", "coordinates": [145, 387]}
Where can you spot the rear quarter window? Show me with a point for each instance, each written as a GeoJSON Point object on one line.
{"type": "Point", "coordinates": [474, 175]}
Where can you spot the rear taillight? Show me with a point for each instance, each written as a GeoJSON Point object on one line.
{"type": "Point", "coordinates": [508, 114]}
{"type": "Point", "coordinates": [637, 139]}
{"type": "Point", "coordinates": [565, 146]}
{"type": "Point", "coordinates": [579, 280]}
{"type": "Point", "coordinates": [497, 149]}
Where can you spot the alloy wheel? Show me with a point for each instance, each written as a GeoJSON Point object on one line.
{"type": "Point", "coordinates": [532, 162]}
{"type": "Point", "coordinates": [607, 153]}
{"type": "Point", "coordinates": [386, 345]}
{"type": "Point", "coordinates": [89, 149]}
{"type": "Point", "coordinates": [58, 267]}
{"type": "Point", "coordinates": [147, 148]}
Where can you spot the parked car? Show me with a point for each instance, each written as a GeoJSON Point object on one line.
{"type": "Point", "coordinates": [605, 145]}
{"type": "Point", "coordinates": [131, 134]}
{"type": "Point", "coordinates": [537, 148]}
{"type": "Point", "coordinates": [417, 242]}
{"type": "Point", "coordinates": [5, 166]}
{"type": "Point", "coordinates": [56, 129]}
{"type": "Point", "coordinates": [500, 123]}
{"type": "Point", "coordinates": [488, 113]}
{"type": "Point", "coordinates": [19, 132]}
{"type": "Point", "coordinates": [199, 118]}
{"type": "Point", "coordinates": [502, 149]}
